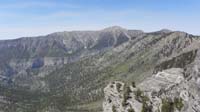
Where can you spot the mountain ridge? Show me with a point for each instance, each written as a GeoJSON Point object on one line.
{"type": "Point", "coordinates": [68, 71]}
{"type": "Point", "coordinates": [107, 28]}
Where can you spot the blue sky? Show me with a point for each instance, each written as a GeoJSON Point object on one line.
{"type": "Point", "coordinates": [21, 18]}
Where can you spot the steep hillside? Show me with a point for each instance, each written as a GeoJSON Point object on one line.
{"type": "Point", "coordinates": [67, 71]}
{"type": "Point", "coordinates": [42, 55]}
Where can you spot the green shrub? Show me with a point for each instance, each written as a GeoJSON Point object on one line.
{"type": "Point", "coordinates": [128, 90]}
{"type": "Point", "coordinates": [146, 108]}
{"type": "Point", "coordinates": [178, 102]}
{"type": "Point", "coordinates": [126, 96]}
{"type": "Point", "coordinates": [131, 110]}
{"type": "Point", "coordinates": [118, 86]}
{"type": "Point", "coordinates": [138, 95]}
{"type": "Point", "coordinates": [145, 98]}
{"type": "Point", "coordinates": [133, 84]}
{"type": "Point", "coordinates": [114, 109]}
{"type": "Point", "coordinates": [167, 106]}
{"type": "Point", "coordinates": [124, 103]}
{"type": "Point", "coordinates": [127, 93]}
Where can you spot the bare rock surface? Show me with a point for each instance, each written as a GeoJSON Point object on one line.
{"type": "Point", "coordinates": [167, 85]}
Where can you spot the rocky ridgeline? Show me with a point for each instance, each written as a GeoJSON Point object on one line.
{"type": "Point", "coordinates": [67, 71]}
{"type": "Point", "coordinates": [166, 91]}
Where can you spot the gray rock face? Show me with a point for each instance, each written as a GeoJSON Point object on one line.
{"type": "Point", "coordinates": [114, 99]}
{"type": "Point", "coordinates": [166, 84]}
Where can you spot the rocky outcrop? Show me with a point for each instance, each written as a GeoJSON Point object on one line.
{"type": "Point", "coordinates": [166, 91]}
{"type": "Point", "coordinates": [116, 100]}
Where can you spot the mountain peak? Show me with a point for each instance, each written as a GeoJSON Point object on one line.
{"type": "Point", "coordinates": [165, 31]}
{"type": "Point", "coordinates": [114, 28]}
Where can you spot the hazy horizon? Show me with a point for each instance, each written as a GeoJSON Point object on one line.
{"type": "Point", "coordinates": [22, 18]}
{"type": "Point", "coordinates": [97, 29]}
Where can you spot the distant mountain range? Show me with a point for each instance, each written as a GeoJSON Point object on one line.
{"type": "Point", "coordinates": [67, 71]}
